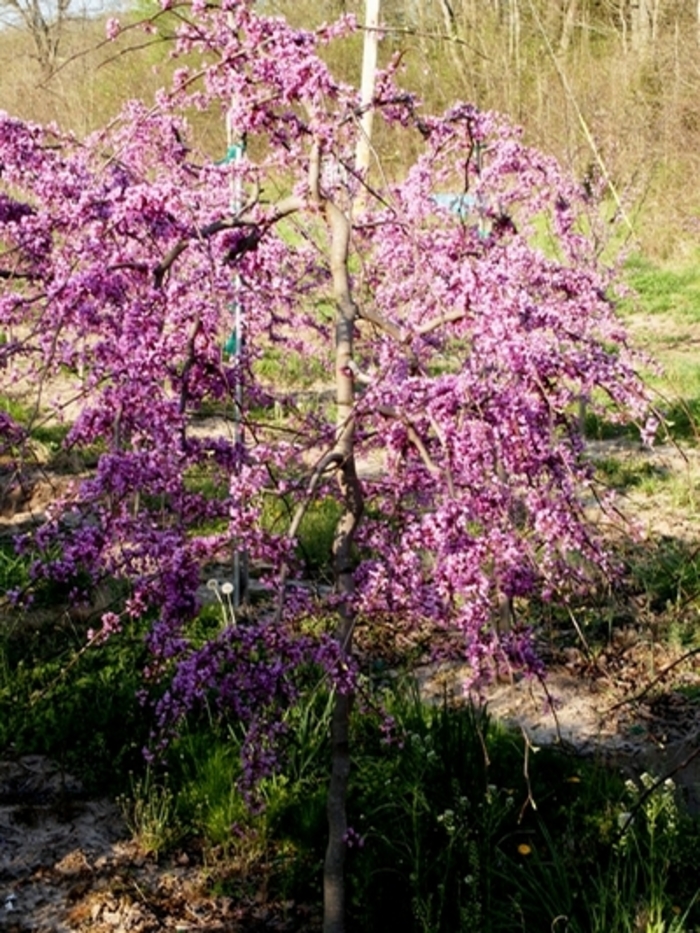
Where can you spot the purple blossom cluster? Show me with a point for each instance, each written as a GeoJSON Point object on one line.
{"type": "Point", "coordinates": [250, 675]}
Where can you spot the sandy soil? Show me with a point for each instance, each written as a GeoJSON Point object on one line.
{"type": "Point", "coordinates": [67, 865]}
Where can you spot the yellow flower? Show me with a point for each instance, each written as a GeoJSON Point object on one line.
{"type": "Point", "coordinates": [524, 848]}
{"type": "Point", "coordinates": [574, 779]}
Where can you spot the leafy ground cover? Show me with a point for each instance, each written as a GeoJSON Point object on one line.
{"type": "Point", "coordinates": [457, 821]}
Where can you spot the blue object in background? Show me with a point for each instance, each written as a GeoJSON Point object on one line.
{"type": "Point", "coordinates": [460, 204]}
{"type": "Point", "coordinates": [466, 206]}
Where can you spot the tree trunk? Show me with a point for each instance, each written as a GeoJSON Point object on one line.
{"type": "Point", "coordinates": [568, 26]}
{"type": "Point", "coordinates": [641, 24]}
{"type": "Point", "coordinates": [351, 497]}
{"type": "Point", "coordinates": [369, 67]}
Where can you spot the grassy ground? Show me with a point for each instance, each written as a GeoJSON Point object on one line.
{"type": "Point", "coordinates": [664, 319]}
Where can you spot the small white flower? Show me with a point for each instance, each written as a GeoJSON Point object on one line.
{"type": "Point", "coordinates": [227, 588]}
{"type": "Point", "coordinates": [213, 585]}
{"type": "Point", "coordinates": [624, 820]}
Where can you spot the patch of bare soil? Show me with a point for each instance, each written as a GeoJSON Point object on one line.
{"type": "Point", "coordinates": [67, 865]}
{"type": "Point", "coordinates": [617, 711]}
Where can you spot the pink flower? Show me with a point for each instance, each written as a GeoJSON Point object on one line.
{"type": "Point", "coordinates": [112, 28]}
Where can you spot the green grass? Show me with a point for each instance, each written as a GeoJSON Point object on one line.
{"type": "Point", "coordinates": [316, 532]}
{"type": "Point", "coordinates": [666, 290]}
{"type": "Point", "coordinates": [76, 704]}
{"type": "Point", "coordinates": [45, 442]}
{"type": "Point", "coordinates": [668, 575]}
{"type": "Point", "coordinates": [13, 408]}
{"type": "Point", "coordinates": [663, 316]}
{"type": "Point", "coordinates": [649, 482]}
{"type": "Point", "coordinates": [619, 473]}
{"type": "Point", "coordinates": [289, 369]}
{"type": "Point", "coordinates": [14, 570]}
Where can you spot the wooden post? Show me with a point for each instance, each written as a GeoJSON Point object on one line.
{"type": "Point", "coordinates": [369, 68]}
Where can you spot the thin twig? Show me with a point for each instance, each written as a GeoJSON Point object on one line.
{"type": "Point", "coordinates": [526, 774]}
{"type": "Point", "coordinates": [652, 683]}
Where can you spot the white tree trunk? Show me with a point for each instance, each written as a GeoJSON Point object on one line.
{"type": "Point", "coordinates": [641, 21]}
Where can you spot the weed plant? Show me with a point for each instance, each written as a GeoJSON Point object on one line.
{"type": "Point", "coordinates": [666, 290]}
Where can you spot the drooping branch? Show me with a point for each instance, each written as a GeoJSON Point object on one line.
{"type": "Point", "coordinates": [413, 436]}
{"type": "Point", "coordinates": [255, 232]}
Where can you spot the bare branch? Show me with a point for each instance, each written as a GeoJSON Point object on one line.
{"type": "Point", "coordinates": [367, 314]}
{"type": "Point", "coordinates": [439, 36]}
{"type": "Point", "coordinates": [404, 335]}
{"type": "Point", "coordinates": [448, 318]}
{"type": "Point", "coordinates": [417, 442]}
{"type": "Point", "coordinates": [360, 376]}
{"type": "Point", "coordinates": [413, 436]}
{"type": "Point", "coordinates": [256, 230]}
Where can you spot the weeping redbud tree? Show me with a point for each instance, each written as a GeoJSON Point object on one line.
{"type": "Point", "coordinates": [459, 310]}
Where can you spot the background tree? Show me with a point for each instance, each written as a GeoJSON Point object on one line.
{"type": "Point", "coordinates": [459, 311]}
{"type": "Point", "coordinates": [45, 22]}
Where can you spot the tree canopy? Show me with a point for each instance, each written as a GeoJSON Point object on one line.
{"type": "Point", "coordinates": [460, 312]}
